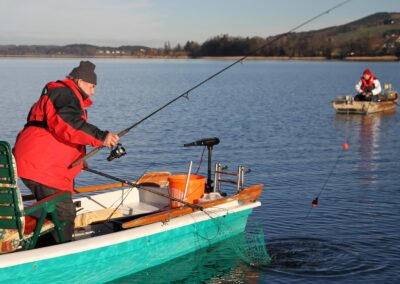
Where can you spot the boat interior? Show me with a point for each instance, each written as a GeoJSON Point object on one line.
{"type": "Point", "coordinates": [107, 212]}
{"type": "Point", "coordinates": [104, 213]}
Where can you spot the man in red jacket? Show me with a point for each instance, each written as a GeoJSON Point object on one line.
{"type": "Point", "coordinates": [55, 136]}
{"type": "Point", "coordinates": [368, 88]}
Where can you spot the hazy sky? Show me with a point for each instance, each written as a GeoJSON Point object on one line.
{"type": "Point", "coordinates": [154, 22]}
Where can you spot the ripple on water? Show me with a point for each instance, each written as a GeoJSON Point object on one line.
{"type": "Point", "coordinates": [319, 258]}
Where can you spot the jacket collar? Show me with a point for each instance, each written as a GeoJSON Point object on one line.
{"type": "Point", "coordinates": [87, 102]}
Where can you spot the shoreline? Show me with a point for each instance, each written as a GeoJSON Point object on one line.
{"type": "Point", "coordinates": [387, 58]}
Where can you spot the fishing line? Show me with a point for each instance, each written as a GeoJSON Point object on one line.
{"type": "Point", "coordinates": [120, 199]}
{"type": "Point", "coordinates": [345, 146]}
{"type": "Point", "coordinates": [250, 248]}
{"type": "Point", "coordinates": [145, 188]}
{"type": "Point", "coordinates": [216, 221]}
{"type": "Point", "coordinates": [314, 203]}
{"type": "Point", "coordinates": [186, 93]}
{"type": "Point", "coordinates": [201, 160]}
{"type": "Point", "coordinates": [124, 196]}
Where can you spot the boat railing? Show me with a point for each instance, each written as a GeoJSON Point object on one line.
{"type": "Point", "coordinates": [222, 176]}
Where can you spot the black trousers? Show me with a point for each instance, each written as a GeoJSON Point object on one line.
{"type": "Point", "coordinates": [361, 97]}
{"type": "Point", "coordinates": [65, 208]}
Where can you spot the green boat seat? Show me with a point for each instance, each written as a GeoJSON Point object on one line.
{"type": "Point", "coordinates": [18, 228]}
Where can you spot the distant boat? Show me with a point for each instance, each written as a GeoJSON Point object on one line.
{"type": "Point", "coordinates": [386, 103]}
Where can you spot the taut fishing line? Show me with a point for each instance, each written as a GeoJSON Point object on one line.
{"type": "Point", "coordinates": [315, 201]}
{"type": "Point", "coordinates": [201, 160]}
{"type": "Point", "coordinates": [186, 93]}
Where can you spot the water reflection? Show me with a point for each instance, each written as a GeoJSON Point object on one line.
{"type": "Point", "coordinates": [369, 143]}
{"type": "Point", "coordinates": [363, 133]}
{"type": "Point", "coordinates": [219, 263]}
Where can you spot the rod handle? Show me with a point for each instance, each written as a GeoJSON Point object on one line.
{"type": "Point", "coordinates": [87, 156]}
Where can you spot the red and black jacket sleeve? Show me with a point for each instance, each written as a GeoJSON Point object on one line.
{"type": "Point", "coordinates": [66, 118]}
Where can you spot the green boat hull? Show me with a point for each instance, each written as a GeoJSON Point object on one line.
{"type": "Point", "coordinates": [114, 261]}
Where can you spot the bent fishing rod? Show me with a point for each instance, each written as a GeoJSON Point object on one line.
{"type": "Point", "coordinates": [186, 93]}
{"type": "Point", "coordinates": [145, 188]}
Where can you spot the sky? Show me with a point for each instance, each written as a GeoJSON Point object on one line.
{"type": "Point", "coordinates": [155, 22]}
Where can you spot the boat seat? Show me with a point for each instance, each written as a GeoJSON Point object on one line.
{"type": "Point", "coordinates": [157, 179]}
{"type": "Point", "coordinates": [17, 228]}
{"type": "Point", "coordinates": [125, 210]}
{"type": "Point", "coordinates": [97, 216]}
{"type": "Point", "coordinates": [137, 209]}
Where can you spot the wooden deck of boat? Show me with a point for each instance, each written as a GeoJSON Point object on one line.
{"type": "Point", "coordinates": [247, 195]}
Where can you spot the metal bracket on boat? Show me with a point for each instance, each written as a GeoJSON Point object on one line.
{"type": "Point", "coordinates": [220, 171]}
{"type": "Point", "coordinates": [209, 143]}
{"type": "Point", "coordinates": [349, 100]}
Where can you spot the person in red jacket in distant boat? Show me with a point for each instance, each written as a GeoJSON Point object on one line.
{"type": "Point", "coordinates": [368, 88]}
{"type": "Point", "coordinates": [55, 136]}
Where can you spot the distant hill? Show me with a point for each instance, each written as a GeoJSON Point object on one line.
{"type": "Point", "coordinates": [374, 35]}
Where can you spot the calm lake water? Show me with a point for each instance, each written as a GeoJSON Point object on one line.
{"type": "Point", "coordinates": [273, 117]}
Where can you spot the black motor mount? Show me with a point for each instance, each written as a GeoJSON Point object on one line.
{"type": "Point", "coordinates": [204, 142]}
{"type": "Point", "coordinates": [209, 143]}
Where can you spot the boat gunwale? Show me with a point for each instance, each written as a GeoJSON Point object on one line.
{"type": "Point", "coordinates": [80, 246]}
{"type": "Point", "coordinates": [358, 107]}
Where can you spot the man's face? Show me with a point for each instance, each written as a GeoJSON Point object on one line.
{"type": "Point", "coordinates": [367, 76]}
{"type": "Point", "coordinates": [88, 88]}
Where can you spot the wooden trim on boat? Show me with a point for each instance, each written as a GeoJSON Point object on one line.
{"type": "Point", "coordinates": [100, 187]}
{"type": "Point", "coordinates": [157, 179]}
{"type": "Point", "coordinates": [85, 189]}
{"type": "Point", "coordinates": [247, 195]}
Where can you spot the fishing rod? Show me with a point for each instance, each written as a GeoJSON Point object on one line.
{"type": "Point", "coordinates": [186, 93]}
{"type": "Point", "coordinates": [145, 188]}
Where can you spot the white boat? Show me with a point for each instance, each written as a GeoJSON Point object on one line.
{"type": "Point", "coordinates": [126, 229]}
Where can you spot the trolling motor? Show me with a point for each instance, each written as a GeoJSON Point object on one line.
{"type": "Point", "coordinates": [209, 142]}
{"type": "Point", "coordinates": [117, 152]}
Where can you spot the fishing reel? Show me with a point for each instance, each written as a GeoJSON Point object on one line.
{"type": "Point", "coordinates": [117, 152]}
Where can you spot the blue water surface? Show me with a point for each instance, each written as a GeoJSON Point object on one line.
{"type": "Point", "coordinates": [274, 117]}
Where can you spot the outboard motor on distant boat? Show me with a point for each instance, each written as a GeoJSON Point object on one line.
{"type": "Point", "coordinates": [209, 142]}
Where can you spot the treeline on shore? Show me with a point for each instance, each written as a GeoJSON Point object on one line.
{"type": "Point", "coordinates": [375, 35]}
{"type": "Point", "coordinates": [221, 46]}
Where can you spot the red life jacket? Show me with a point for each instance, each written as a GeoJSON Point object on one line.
{"type": "Point", "coordinates": [55, 136]}
{"type": "Point", "coordinates": [370, 83]}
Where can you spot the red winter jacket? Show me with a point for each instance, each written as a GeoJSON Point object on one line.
{"type": "Point", "coordinates": [370, 83]}
{"type": "Point", "coordinates": [55, 136]}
